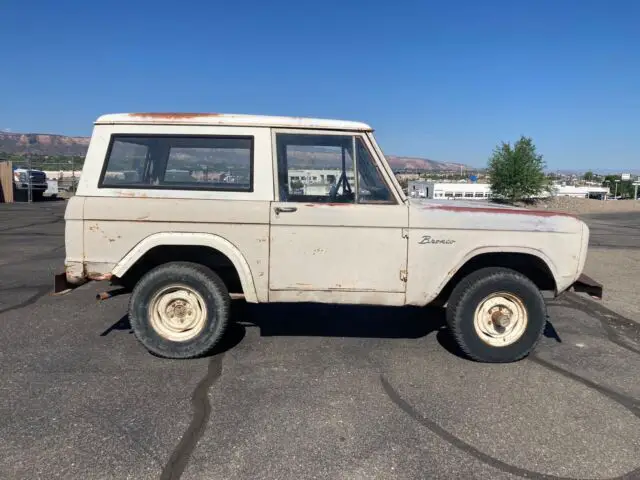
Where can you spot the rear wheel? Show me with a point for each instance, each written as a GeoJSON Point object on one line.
{"type": "Point", "coordinates": [496, 315]}
{"type": "Point", "coordinates": [179, 310]}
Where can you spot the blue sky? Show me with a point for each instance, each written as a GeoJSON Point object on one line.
{"type": "Point", "coordinates": [446, 80]}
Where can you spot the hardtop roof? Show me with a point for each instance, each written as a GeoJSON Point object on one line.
{"type": "Point", "coordinates": [158, 118]}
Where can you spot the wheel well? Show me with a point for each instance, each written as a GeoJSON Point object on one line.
{"type": "Point", "coordinates": [207, 256]}
{"type": "Point", "coordinates": [532, 267]}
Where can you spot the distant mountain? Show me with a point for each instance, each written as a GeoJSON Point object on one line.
{"type": "Point", "coordinates": [39, 144]}
{"type": "Point", "coordinates": [417, 163]}
{"type": "Point", "coordinates": [45, 144]}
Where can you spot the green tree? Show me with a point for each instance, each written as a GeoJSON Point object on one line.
{"type": "Point", "coordinates": [588, 176]}
{"type": "Point", "coordinates": [517, 171]}
{"type": "Point", "coordinates": [619, 187]}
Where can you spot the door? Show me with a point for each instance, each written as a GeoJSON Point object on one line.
{"type": "Point", "coordinates": [336, 225]}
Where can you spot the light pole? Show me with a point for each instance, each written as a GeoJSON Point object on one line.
{"type": "Point", "coordinates": [29, 192]}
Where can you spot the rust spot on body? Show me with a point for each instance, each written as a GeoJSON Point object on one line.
{"type": "Point", "coordinates": [532, 213]}
{"type": "Point", "coordinates": [98, 277]}
{"type": "Point", "coordinates": [129, 194]}
{"type": "Point", "coordinates": [172, 115]}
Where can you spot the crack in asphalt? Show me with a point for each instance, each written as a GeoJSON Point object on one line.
{"type": "Point", "coordinates": [57, 219]}
{"type": "Point", "coordinates": [41, 291]}
{"type": "Point", "coordinates": [46, 255]}
{"type": "Point", "coordinates": [397, 399]}
{"type": "Point", "coordinates": [606, 318]}
{"type": "Point", "coordinates": [626, 401]}
{"type": "Point", "coordinates": [180, 456]}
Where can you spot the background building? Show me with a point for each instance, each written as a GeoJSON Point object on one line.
{"type": "Point", "coordinates": [479, 191]}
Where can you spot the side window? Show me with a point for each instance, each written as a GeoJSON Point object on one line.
{"type": "Point", "coordinates": [371, 186]}
{"type": "Point", "coordinates": [315, 168]}
{"type": "Point", "coordinates": [180, 163]}
{"type": "Point", "coordinates": [128, 159]}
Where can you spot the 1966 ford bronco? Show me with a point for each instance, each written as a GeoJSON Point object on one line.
{"type": "Point", "coordinates": [188, 210]}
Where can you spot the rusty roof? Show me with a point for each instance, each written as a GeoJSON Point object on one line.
{"type": "Point", "coordinates": [173, 118]}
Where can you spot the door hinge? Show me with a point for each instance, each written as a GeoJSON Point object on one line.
{"type": "Point", "coordinates": [403, 275]}
{"type": "Point", "coordinates": [405, 233]}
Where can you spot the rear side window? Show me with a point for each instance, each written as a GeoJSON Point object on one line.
{"type": "Point", "coordinates": [179, 163]}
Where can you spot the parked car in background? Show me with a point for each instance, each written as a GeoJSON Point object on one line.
{"type": "Point", "coordinates": [21, 179]}
{"type": "Point", "coordinates": [52, 188]}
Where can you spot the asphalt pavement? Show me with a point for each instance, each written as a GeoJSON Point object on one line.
{"type": "Point", "coordinates": [300, 391]}
{"type": "Point", "coordinates": [614, 230]}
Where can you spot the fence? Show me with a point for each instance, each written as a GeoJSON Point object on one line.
{"type": "Point", "coordinates": [66, 171]}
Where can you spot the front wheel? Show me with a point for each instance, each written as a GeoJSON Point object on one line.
{"type": "Point", "coordinates": [496, 315]}
{"type": "Point", "coordinates": [179, 310]}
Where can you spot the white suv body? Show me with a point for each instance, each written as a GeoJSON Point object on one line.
{"type": "Point", "coordinates": [227, 192]}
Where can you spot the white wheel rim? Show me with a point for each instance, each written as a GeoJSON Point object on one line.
{"type": "Point", "coordinates": [178, 313]}
{"type": "Point", "coordinates": [500, 319]}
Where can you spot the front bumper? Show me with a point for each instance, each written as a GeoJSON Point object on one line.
{"type": "Point", "coordinates": [588, 285]}
{"type": "Point", "coordinates": [36, 187]}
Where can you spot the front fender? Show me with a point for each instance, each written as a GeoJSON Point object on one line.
{"type": "Point", "coordinates": [425, 285]}
{"type": "Point", "coordinates": [502, 249]}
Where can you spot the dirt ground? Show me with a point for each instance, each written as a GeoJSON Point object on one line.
{"type": "Point", "coordinates": [614, 247]}
{"type": "Point", "coordinates": [587, 206]}
{"type": "Point", "coordinates": [618, 271]}
{"type": "Point", "coordinates": [614, 259]}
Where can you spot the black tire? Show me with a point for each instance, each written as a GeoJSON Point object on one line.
{"type": "Point", "coordinates": [199, 278]}
{"type": "Point", "coordinates": [471, 292]}
{"type": "Point", "coordinates": [37, 196]}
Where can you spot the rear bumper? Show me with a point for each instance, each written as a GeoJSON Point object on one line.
{"type": "Point", "coordinates": [71, 279]}
{"type": "Point", "coordinates": [587, 285]}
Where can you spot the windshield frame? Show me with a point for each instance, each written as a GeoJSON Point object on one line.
{"type": "Point", "coordinates": [381, 166]}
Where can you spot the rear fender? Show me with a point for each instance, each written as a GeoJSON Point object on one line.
{"type": "Point", "coordinates": [194, 239]}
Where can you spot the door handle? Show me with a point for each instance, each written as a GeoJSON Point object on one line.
{"type": "Point", "coordinates": [279, 210]}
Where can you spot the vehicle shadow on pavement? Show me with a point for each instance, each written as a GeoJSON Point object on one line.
{"type": "Point", "coordinates": [345, 321]}
{"type": "Point", "coordinates": [302, 319]}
